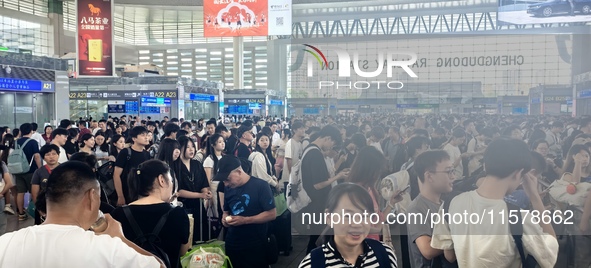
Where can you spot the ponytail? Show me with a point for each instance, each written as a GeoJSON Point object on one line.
{"type": "Point", "coordinates": [141, 179]}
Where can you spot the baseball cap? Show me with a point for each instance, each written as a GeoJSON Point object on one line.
{"type": "Point", "coordinates": [242, 129]}
{"type": "Point", "coordinates": [226, 165]}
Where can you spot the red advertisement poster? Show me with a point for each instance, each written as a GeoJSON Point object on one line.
{"type": "Point", "coordinates": [94, 37]}
{"type": "Point", "coordinates": [235, 18]}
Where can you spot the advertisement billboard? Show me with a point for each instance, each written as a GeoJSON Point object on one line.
{"type": "Point", "coordinates": [547, 11]}
{"type": "Point", "coordinates": [279, 17]}
{"type": "Point", "coordinates": [226, 18]}
{"type": "Point", "coordinates": [229, 18]}
{"type": "Point", "coordinates": [94, 42]}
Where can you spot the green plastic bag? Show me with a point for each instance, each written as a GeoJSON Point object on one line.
{"type": "Point", "coordinates": [280, 203]}
{"type": "Point", "coordinates": [212, 246]}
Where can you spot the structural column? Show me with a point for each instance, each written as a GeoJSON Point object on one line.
{"type": "Point", "coordinates": [238, 62]}
{"type": "Point", "coordinates": [56, 17]}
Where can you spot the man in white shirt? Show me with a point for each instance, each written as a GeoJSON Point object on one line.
{"type": "Point", "coordinates": [59, 137]}
{"type": "Point", "coordinates": [36, 136]}
{"type": "Point", "coordinates": [276, 137]}
{"type": "Point", "coordinates": [63, 240]}
{"type": "Point", "coordinates": [293, 149]}
{"type": "Point", "coordinates": [489, 242]}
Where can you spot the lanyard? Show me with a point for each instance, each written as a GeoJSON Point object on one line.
{"type": "Point", "coordinates": [48, 170]}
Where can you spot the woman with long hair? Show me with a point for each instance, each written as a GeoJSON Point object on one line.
{"type": "Point", "coordinates": [280, 153]}
{"type": "Point", "coordinates": [170, 151]}
{"type": "Point", "coordinates": [110, 132]}
{"type": "Point", "coordinates": [367, 169]}
{"type": "Point", "coordinates": [71, 145]}
{"type": "Point", "coordinates": [576, 167]}
{"type": "Point", "coordinates": [117, 144]}
{"type": "Point", "coordinates": [262, 167]}
{"type": "Point", "coordinates": [101, 149]}
{"type": "Point", "coordinates": [47, 133]}
{"type": "Point", "coordinates": [553, 169]}
{"type": "Point", "coordinates": [87, 143]}
{"type": "Point", "coordinates": [214, 153]}
{"type": "Point", "coordinates": [151, 183]}
{"type": "Point", "coordinates": [193, 186]}
{"type": "Point", "coordinates": [571, 191]}
{"type": "Point", "coordinates": [210, 164]}
{"type": "Point", "coordinates": [8, 143]}
{"type": "Point", "coordinates": [345, 241]}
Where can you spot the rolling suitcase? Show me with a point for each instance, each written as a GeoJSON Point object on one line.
{"type": "Point", "coordinates": [281, 227]}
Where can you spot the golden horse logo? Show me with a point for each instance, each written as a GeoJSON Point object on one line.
{"type": "Point", "coordinates": [94, 10]}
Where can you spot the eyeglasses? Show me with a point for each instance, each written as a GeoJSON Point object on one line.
{"type": "Point", "coordinates": [449, 172]}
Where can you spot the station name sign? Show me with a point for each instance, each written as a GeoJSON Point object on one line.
{"type": "Point", "coordinates": [104, 95]}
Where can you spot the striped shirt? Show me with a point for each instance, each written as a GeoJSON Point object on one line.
{"type": "Point", "coordinates": [334, 259]}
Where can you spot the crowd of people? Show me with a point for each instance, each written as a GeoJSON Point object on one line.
{"type": "Point", "coordinates": [232, 177]}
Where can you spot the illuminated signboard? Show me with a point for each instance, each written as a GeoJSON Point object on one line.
{"type": "Point", "coordinates": [201, 97]}
{"type": "Point", "coordinates": [26, 85]}
{"type": "Point", "coordinates": [276, 102]}
{"type": "Point", "coordinates": [155, 102]}
{"type": "Point", "coordinates": [131, 107]}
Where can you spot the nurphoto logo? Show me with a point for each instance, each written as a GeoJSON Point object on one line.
{"type": "Point", "coordinates": [344, 64]}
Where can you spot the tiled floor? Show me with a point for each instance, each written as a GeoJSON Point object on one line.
{"type": "Point", "coordinates": [299, 243]}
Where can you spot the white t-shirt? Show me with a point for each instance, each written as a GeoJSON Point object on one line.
{"type": "Point", "coordinates": [208, 162]}
{"type": "Point", "coordinates": [55, 246]}
{"type": "Point", "coordinates": [276, 139]}
{"type": "Point", "coordinates": [491, 245]}
{"type": "Point", "coordinates": [455, 153]}
{"type": "Point", "coordinates": [36, 136]}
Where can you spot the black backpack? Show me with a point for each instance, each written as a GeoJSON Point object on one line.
{"type": "Point", "coordinates": [105, 176]}
{"type": "Point", "coordinates": [148, 242]}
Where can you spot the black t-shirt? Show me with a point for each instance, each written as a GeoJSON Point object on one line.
{"type": "Point", "coordinates": [314, 171]}
{"type": "Point", "coordinates": [250, 199]}
{"type": "Point", "coordinates": [70, 148]}
{"type": "Point", "coordinates": [193, 181]}
{"type": "Point", "coordinates": [30, 150]}
{"type": "Point", "coordinates": [40, 177]}
{"type": "Point", "coordinates": [127, 162]}
{"type": "Point", "coordinates": [242, 151]}
{"type": "Point", "coordinates": [173, 235]}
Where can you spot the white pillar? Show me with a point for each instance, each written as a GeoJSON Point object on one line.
{"type": "Point", "coordinates": [238, 62]}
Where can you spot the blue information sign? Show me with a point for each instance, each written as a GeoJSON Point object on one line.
{"type": "Point", "coordinates": [25, 85]}
{"type": "Point", "coordinates": [155, 102]}
{"type": "Point", "coordinates": [275, 102]}
{"type": "Point", "coordinates": [202, 97]}
{"type": "Point", "coordinates": [132, 107]}
{"type": "Point", "coordinates": [585, 94]}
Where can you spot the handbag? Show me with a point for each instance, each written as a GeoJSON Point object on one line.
{"type": "Point", "coordinates": [280, 203]}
